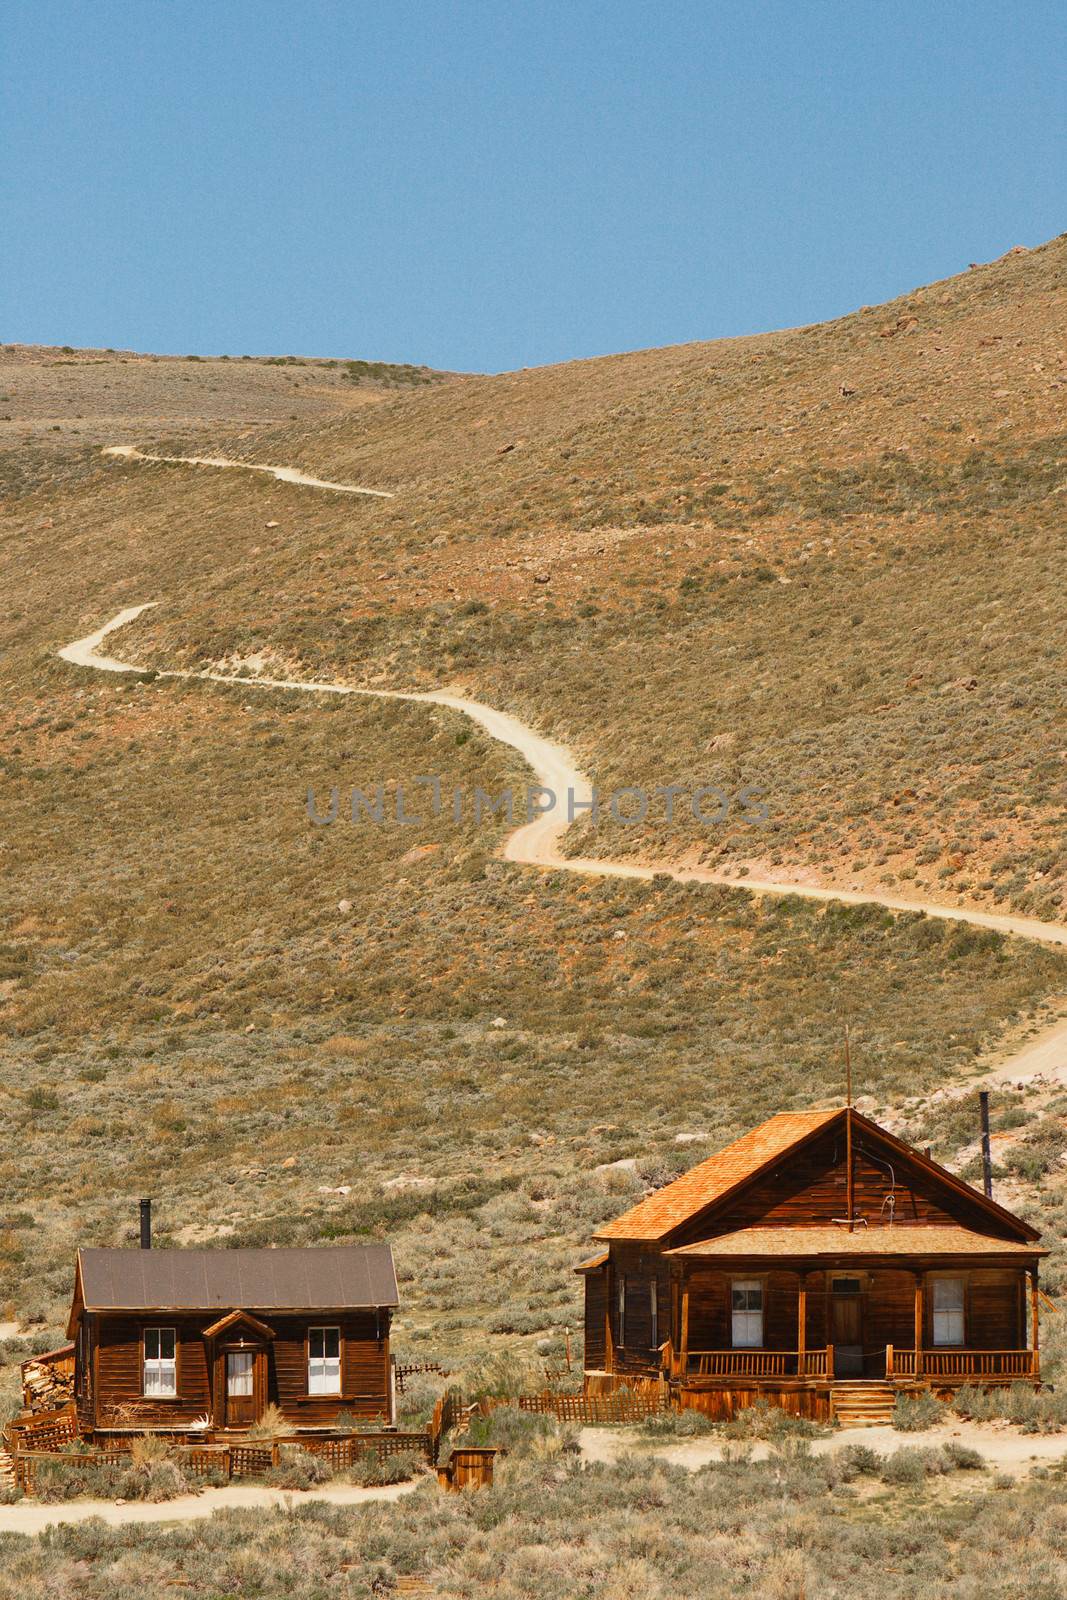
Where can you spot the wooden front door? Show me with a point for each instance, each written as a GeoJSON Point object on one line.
{"type": "Point", "coordinates": [846, 1327]}
{"type": "Point", "coordinates": [243, 1376]}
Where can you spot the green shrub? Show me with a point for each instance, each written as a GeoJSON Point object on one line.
{"type": "Point", "coordinates": [916, 1413]}
{"type": "Point", "coordinates": [909, 1466]}
{"type": "Point", "coordinates": [520, 1433]}
{"type": "Point", "coordinates": [763, 1421]}
{"type": "Point", "coordinates": [677, 1423]}
{"type": "Point", "coordinates": [1033, 1410]}
{"type": "Point", "coordinates": [299, 1469]}
{"type": "Point", "coordinates": [962, 1457]}
{"type": "Point", "coordinates": [861, 1460]}
{"type": "Point", "coordinates": [371, 1470]}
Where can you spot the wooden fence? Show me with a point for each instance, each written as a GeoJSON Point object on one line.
{"type": "Point", "coordinates": [622, 1406]}
{"type": "Point", "coordinates": [228, 1461]}
{"type": "Point", "coordinates": [410, 1369]}
{"type": "Point", "coordinates": [449, 1412]}
{"type": "Point", "coordinates": [48, 1430]}
{"type": "Point", "coordinates": [26, 1463]}
{"type": "Point", "coordinates": [345, 1452]}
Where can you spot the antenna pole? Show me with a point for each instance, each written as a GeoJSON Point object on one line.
{"type": "Point", "coordinates": [849, 1180]}
{"type": "Point", "coordinates": [987, 1159]}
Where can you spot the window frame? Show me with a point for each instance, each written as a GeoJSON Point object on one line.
{"type": "Point", "coordinates": [748, 1286]}
{"type": "Point", "coordinates": [318, 1389]}
{"type": "Point", "coordinates": [158, 1363]}
{"type": "Point", "coordinates": [653, 1314]}
{"type": "Point", "coordinates": [958, 1312]}
{"type": "Point", "coordinates": [620, 1298]}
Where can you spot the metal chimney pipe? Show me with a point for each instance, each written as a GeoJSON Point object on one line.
{"type": "Point", "coordinates": [987, 1159]}
{"type": "Point", "coordinates": [146, 1224]}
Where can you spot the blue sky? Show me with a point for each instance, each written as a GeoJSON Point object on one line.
{"type": "Point", "coordinates": [486, 185]}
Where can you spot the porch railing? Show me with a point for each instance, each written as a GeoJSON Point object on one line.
{"type": "Point", "coordinates": [760, 1363]}
{"type": "Point", "coordinates": [962, 1364]}
{"type": "Point", "coordinates": [951, 1365]}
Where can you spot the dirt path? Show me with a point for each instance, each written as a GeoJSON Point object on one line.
{"type": "Point", "coordinates": [1002, 1446]}
{"type": "Point", "coordinates": [538, 843]}
{"type": "Point", "coordinates": [31, 1517]}
{"type": "Point", "coordinates": [129, 452]}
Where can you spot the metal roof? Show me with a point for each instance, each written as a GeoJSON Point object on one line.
{"type": "Point", "coordinates": [333, 1278]}
{"type": "Point", "coordinates": [688, 1195]}
{"type": "Point", "coordinates": [902, 1239]}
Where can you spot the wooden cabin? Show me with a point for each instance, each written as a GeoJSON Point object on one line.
{"type": "Point", "coordinates": [818, 1262]}
{"type": "Point", "coordinates": [181, 1341]}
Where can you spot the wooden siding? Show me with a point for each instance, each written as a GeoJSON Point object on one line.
{"type": "Point", "coordinates": [810, 1188]}
{"type": "Point", "coordinates": [119, 1377]}
{"type": "Point", "coordinates": [114, 1396]}
{"type": "Point", "coordinates": [642, 1267]}
{"type": "Point", "coordinates": [596, 1307]}
{"type": "Point", "coordinates": [364, 1368]}
{"type": "Point", "coordinates": [721, 1402]}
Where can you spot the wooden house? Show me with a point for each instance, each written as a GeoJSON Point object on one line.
{"type": "Point", "coordinates": [180, 1341]}
{"type": "Point", "coordinates": [818, 1262]}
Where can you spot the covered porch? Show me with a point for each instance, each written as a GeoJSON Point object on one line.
{"type": "Point", "coordinates": [788, 1308]}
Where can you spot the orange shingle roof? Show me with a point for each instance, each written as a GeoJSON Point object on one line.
{"type": "Point", "coordinates": [698, 1188]}
{"type": "Point", "coordinates": [900, 1240]}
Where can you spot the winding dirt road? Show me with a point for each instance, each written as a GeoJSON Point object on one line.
{"type": "Point", "coordinates": [129, 452]}
{"type": "Point", "coordinates": [32, 1517]}
{"type": "Point", "coordinates": [538, 843]}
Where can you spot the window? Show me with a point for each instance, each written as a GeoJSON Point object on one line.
{"type": "Point", "coordinates": [653, 1314]}
{"type": "Point", "coordinates": [846, 1286]}
{"type": "Point", "coordinates": [239, 1372]}
{"type": "Point", "coordinates": [948, 1310]}
{"type": "Point", "coordinates": [324, 1361]}
{"type": "Point", "coordinates": [747, 1307]}
{"type": "Point", "coordinates": [622, 1308]}
{"type": "Point", "coordinates": [160, 1367]}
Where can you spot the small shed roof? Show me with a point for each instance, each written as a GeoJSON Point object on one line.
{"type": "Point", "coordinates": [776, 1244]}
{"type": "Point", "coordinates": [333, 1278]}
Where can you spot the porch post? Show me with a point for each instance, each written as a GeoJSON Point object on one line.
{"type": "Point", "coordinates": [802, 1321]}
{"type": "Point", "coordinates": [609, 1295]}
{"type": "Point", "coordinates": [683, 1355]}
{"type": "Point", "coordinates": [919, 1287]}
{"type": "Point", "coordinates": [1035, 1364]}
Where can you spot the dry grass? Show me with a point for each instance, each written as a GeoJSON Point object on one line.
{"type": "Point", "coordinates": [789, 1529]}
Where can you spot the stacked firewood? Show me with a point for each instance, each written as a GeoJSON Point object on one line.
{"type": "Point", "coordinates": [47, 1385]}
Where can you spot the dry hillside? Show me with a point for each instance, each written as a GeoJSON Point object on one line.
{"type": "Point", "coordinates": [826, 561]}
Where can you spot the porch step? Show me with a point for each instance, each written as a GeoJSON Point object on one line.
{"type": "Point", "coordinates": [862, 1405]}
